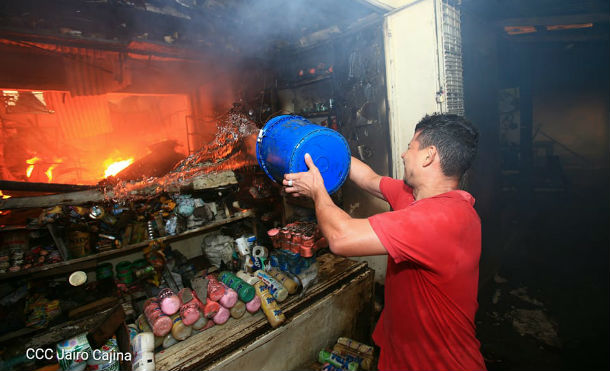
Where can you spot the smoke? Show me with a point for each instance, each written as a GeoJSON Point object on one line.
{"type": "Point", "coordinates": [258, 28]}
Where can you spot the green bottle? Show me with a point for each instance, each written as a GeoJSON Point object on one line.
{"type": "Point", "coordinates": [245, 291]}
{"type": "Point", "coordinates": [337, 361]}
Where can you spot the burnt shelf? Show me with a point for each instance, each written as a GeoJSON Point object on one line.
{"type": "Point", "coordinates": [313, 80]}
{"type": "Point", "coordinates": [317, 114]}
{"type": "Point", "coordinates": [90, 260]}
{"type": "Point", "coordinates": [7, 185]}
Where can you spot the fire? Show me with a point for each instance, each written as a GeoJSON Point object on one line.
{"type": "Point", "coordinates": [31, 163]}
{"type": "Point", "coordinates": [49, 172]}
{"type": "Point", "coordinates": [113, 167]}
{"type": "Point", "coordinates": [4, 196]}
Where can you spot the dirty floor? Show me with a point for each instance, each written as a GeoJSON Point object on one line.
{"type": "Point", "coordinates": [545, 306]}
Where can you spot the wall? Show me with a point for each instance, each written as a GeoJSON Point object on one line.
{"type": "Point", "coordinates": [571, 104]}
{"type": "Point", "coordinates": [412, 73]}
{"type": "Point", "coordinates": [480, 90]}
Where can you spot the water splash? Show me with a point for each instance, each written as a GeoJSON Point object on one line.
{"type": "Point", "coordinates": [232, 148]}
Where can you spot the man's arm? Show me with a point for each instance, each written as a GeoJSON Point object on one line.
{"type": "Point", "coordinates": [365, 178]}
{"type": "Point", "coordinates": [346, 236]}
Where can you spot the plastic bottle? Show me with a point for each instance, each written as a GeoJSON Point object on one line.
{"type": "Point", "coordinates": [238, 310]}
{"type": "Point", "coordinates": [243, 289]}
{"type": "Point", "coordinates": [247, 277]}
{"type": "Point", "coordinates": [160, 322]}
{"type": "Point", "coordinates": [180, 331]}
{"type": "Point", "coordinates": [189, 313]}
{"type": "Point", "coordinates": [356, 345]}
{"type": "Point", "coordinates": [201, 322]}
{"type": "Point", "coordinates": [337, 361]}
{"type": "Point", "coordinates": [278, 291]}
{"type": "Point", "coordinates": [145, 362]}
{"type": "Point", "coordinates": [222, 316]}
{"type": "Point", "coordinates": [253, 305]}
{"type": "Point", "coordinates": [274, 314]}
{"type": "Point", "coordinates": [290, 285]}
{"type": "Point", "coordinates": [210, 309]}
{"type": "Point", "coordinates": [170, 302]}
{"type": "Point", "coordinates": [169, 340]}
{"type": "Point", "coordinates": [215, 289]}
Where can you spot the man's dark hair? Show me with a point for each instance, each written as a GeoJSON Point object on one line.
{"type": "Point", "coordinates": [455, 139]}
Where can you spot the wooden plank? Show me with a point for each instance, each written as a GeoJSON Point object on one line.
{"type": "Point", "coordinates": [66, 330]}
{"type": "Point", "coordinates": [71, 198]}
{"type": "Point", "coordinates": [18, 334]}
{"type": "Point", "coordinates": [59, 242]}
{"type": "Point", "coordinates": [221, 179]}
{"type": "Point", "coordinates": [102, 331]}
{"type": "Point", "coordinates": [198, 182]}
{"type": "Point", "coordinates": [8, 185]}
{"type": "Point", "coordinates": [48, 268]}
{"type": "Point", "coordinates": [208, 346]}
{"type": "Point", "coordinates": [93, 307]}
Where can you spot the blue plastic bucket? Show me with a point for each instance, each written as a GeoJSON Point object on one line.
{"type": "Point", "coordinates": [284, 140]}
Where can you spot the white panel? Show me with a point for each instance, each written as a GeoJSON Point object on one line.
{"type": "Point", "coordinates": [387, 4]}
{"type": "Point", "coordinates": [412, 69]}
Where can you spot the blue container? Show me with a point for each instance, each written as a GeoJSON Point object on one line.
{"type": "Point", "coordinates": [284, 140]}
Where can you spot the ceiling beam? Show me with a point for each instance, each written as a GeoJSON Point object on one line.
{"type": "Point", "coordinates": [555, 20]}
{"type": "Point", "coordinates": [565, 37]}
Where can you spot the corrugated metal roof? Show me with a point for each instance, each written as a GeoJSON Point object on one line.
{"type": "Point", "coordinates": [80, 117]}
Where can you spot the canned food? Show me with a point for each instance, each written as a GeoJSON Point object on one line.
{"type": "Point", "coordinates": [97, 212]}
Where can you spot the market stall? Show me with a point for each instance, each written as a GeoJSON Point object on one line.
{"type": "Point", "coordinates": [129, 177]}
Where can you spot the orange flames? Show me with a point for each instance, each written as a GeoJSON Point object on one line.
{"type": "Point", "coordinates": [3, 196]}
{"type": "Point", "coordinates": [31, 163]}
{"type": "Point", "coordinates": [114, 166]}
{"type": "Point", "coordinates": [35, 160]}
{"type": "Point", "coordinates": [49, 172]}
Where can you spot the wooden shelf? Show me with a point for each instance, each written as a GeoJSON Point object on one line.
{"type": "Point", "coordinates": [48, 269]}
{"type": "Point", "coordinates": [299, 83]}
{"type": "Point", "coordinates": [317, 114]}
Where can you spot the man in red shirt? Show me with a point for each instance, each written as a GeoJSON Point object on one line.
{"type": "Point", "coordinates": [433, 241]}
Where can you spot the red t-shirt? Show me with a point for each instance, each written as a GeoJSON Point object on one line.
{"type": "Point", "coordinates": [434, 245]}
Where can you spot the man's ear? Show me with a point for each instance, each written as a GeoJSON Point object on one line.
{"type": "Point", "coordinates": [430, 156]}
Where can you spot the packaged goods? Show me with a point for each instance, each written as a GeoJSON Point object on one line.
{"type": "Point", "coordinates": [274, 314]}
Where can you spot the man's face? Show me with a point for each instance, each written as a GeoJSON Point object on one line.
{"type": "Point", "coordinates": [409, 158]}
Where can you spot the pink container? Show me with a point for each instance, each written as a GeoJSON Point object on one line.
{"type": "Point", "coordinates": [222, 316]}
{"type": "Point", "coordinates": [211, 309]}
{"type": "Point", "coordinates": [253, 305]}
{"type": "Point", "coordinates": [229, 299]}
{"type": "Point", "coordinates": [215, 289]}
{"type": "Point", "coordinates": [162, 325]}
{"type": "Point", "coordinates": [170, 302]}
{"type": "Point", "coordinates": [189, 313]}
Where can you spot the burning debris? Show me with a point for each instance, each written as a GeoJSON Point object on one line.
{"type": "Point", "coordinates": [232, 148]}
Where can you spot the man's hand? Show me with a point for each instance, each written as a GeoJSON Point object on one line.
{"type": "Point", "coordinates": [308, 183]}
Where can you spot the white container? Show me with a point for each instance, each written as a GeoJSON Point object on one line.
{"type": "Point", "coordinates": [145, 362]}
{"type": "Point", "coordinates": [143, 343]}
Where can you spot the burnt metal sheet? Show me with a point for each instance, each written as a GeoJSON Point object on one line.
{"type": "Point", "coordinates": [80, 117]}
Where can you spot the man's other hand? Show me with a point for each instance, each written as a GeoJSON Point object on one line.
{"type": "Point", "coordinates": [305, 184]}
